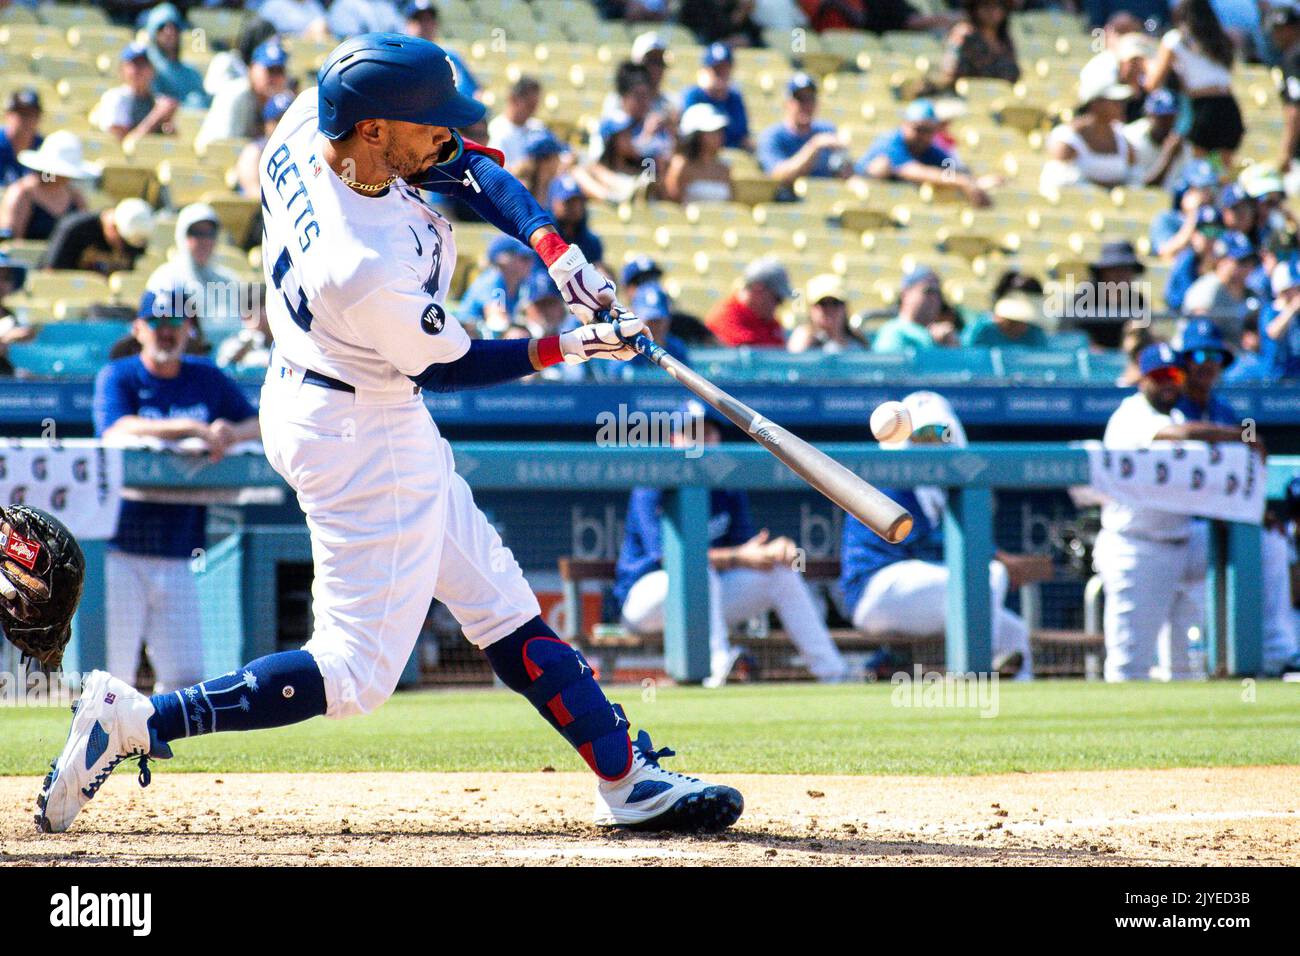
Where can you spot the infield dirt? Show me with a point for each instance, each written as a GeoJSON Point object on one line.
{"type": "Point", "coordinates": [1146, 817]}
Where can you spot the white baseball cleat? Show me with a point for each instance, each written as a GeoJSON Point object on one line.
{"type": "Point", "coordinates": [109, 724]}
{"type": "Point", "coordinates": [651, 798]}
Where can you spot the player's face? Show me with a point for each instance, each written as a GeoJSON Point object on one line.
{"type": "Point", "coordinates": [161, 339]}
{"type": "Point", "coordinates": [409, 148]}
{"type": "Point", "coordinates": [1203, 369]}
{"type": "Point", "coordinates": [1163, 387]}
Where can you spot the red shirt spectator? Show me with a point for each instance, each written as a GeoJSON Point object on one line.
{"type": "Point", "coordinates": [748, 316]}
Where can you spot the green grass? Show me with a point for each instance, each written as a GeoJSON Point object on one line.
{"type": "Point", "coordinates": [847, 729]}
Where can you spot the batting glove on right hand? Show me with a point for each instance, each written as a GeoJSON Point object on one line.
{"type": "Point", "coordinates": [584, 288]}
{"type": "Point", "coordinates": [602, 340]}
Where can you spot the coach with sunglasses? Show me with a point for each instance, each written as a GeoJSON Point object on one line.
{"type": "Point", "coordinates": [162, 394]}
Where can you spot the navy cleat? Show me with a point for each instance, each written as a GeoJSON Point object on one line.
{"type": "Point", "coordinates": [109, 724]}
{"type": "Point", "coordinates": [651, 798]}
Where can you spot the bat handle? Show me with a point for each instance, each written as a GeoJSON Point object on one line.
{"type": "Point", "coordinates": [643, 343]}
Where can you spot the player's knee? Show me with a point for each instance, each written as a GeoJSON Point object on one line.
{"type": "Point", "coordinates": [347, 694]}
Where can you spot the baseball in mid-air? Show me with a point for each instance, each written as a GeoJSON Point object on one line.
{"type": "Point", "coordinates": [891, 422]}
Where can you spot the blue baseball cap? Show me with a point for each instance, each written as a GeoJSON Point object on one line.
{"type": "Point", "coordinates": [918, 274]}
{"type": "Point", "coordinates": [1159, 356]}
{"type": "Point", "coordinates": [563, 188]}
{"type": "Point", "coordinates": [506, 245]}
{"type": "Point", "coordinates": [800, 82]}
{"type": "Point", "coordinates": [614, 123]}
{"type": "Point", "coordinates": [639, 268]}
{"type": "Point", "coordinates": [1232, 194]}
{"type": "Point", "coordinates": [1160, 103]}
{"type": "Point", "coordinates": [536, 287]}
{"type": "Point", "coordinates": [920, 111]}
{"type": "Point", "coordinates": [134, 51]}
{"type": "Point", "coordinates": [651, 302]}
{"type": "Point", "coordinates": [15, 268]}
{"type": "Point", "coordinates": [1202, 335]}
{"type": "Point", "coordinates": [540, 143]}
{"type": "Point", "coordinates": [175, 303]}
{"type": "Point", "coordinates": [716, 53]}
{"type": "Point", "coordinates": [1198, 174]}
{"type": "Point", "coordinates": [271, 54]}
{"type": "Point", "coordinates": [277, 106]}
{"type": "Point", "coordinates": [1234, 245]}
{"type": "Point", "coordinates": [416, 7]}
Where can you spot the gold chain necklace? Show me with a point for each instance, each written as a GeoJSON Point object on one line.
{"type": "Point", "coordinates": [366, 188]}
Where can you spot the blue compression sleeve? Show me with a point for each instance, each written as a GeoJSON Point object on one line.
{"type": "Point", "coordinates": [476, 180]}
{"type": "Point", "coordinates": [488, 362]}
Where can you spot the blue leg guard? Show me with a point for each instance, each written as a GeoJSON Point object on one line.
{"type": "Point", "coordinates": [272, 691]}
{"type": "Point", "coordinates": [558, 681]}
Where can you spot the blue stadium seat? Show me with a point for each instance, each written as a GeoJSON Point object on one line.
{"type": "Point", "coordinates": [57, 360]}
{"type": "Point", "coordinates": [102, 334]}
{"type": "Point", "coordinates": [1104, 368]}
{"type": "Point", "coordinates": [1070, 341]}
{"type": "Point", "coordinates": [870, 366]}
{"type": "Point", "coordinates": [1039, 365]}
{"type": "Point", "coordinates": [956, 365]}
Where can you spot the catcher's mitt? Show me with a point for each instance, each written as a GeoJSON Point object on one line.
{"type": "Point", "coordinates": [42, 570]}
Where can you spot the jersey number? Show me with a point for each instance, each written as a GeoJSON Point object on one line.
{"type": "Point", "coordinates": [283, 277]}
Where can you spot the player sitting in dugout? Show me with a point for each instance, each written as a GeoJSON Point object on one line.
{"type": "Point", "coordinates": [750, 573]}
{"type": "Point", "coordinates": [902, 589]}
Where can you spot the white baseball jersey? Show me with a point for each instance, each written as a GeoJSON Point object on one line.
{"type": "Point", "coordinates": [356, 284]}
{"type": "Point", "coordinates": [1135, 424]}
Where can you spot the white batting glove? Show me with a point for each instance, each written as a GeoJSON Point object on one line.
{"type": "Point", "coordinates": [584, 288]}
{"type": "Point", "coordinates": [601, 340]}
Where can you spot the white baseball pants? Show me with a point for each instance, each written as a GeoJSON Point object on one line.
{"type": "Point", "coordinates": [911, 597]}
{"type": "Point", "coordinates": [392, 527]}
{"type": "Point", "coordinates": [1155, 592]}
{"type": "Point", "coordinates": [153, 602]}
{"type": "Point", "coordinates": [1279, 618]}
{"type": "Point", "coordinates": [736, 596]}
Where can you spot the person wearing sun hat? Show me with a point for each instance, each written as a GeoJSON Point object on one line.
{"type": "Point", "coordinates": [32, 206]}
{"type": "Point", "coordinates": [1091, 148]}
{"type": "Point", "coordinates": [104, 242]}
{"type": "Point", "coordinates": [697, 173]}
{"type": "Point", "coordinates": [1016, 321]}
{"type": "Point", "coordinates": [826, 327]}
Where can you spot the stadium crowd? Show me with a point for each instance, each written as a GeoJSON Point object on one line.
{"type": "Point", "coordinates": [138, 168]}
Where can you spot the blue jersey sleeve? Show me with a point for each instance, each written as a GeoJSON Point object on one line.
{"type": "Point", "coordinates": [770, 151]}
{"type": "Point", "coordinates": [475, 179]}
{"type": "Point", "coordinates": [114, 397]}
{"type": "Point", "coordinates": [488, 362]}
{"type": "Point", "coordinates": [738, 128]}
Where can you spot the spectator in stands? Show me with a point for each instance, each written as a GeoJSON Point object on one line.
{"type": "Point", "coordinates": [568, 207]}
{"type": "Point", "coordinates": [32, 206]}
{"type": "Point", "coordinates": [981, 46]}
{"type": "Point", "coordinates": [131, 110]}
{"type": "Point", "coordinates": [650, 50]}
{"type": "Point", "coordinates": [802, 145]}
{"type": "Point", "coordinates": [714, 87]}
{"type": "Point", "coordinates": [910, 153]}
{"type": "Point", "coordinates": [216, 291]}
{"type": "Point", "coordinates": [827, 325]}
{"type": "Point", "coordinates": [722, 21]}
{"type": "Point", "coordinates": [1135, 336]}
{"type": "Point", "coordinates": [1159, 152]}
{"type": "Point", "coordinates": [901, 589]}
{"type": "Point", "coordinates": [544, 157]}
{"type": "Point", "coordinates": [651, 304]}
{"type": "Point", "coordinates": [877, 17]}
{"type": "Point", "coordinates": [422, 22]}
{"type": "Point", "coordinates": [919, 301]}
{"type": "Point", "coordinates": [349, 17]}
{"type": "Point", "coordinates": [1239, 213]}
{"type": "Point", "coordinates": [236, 111]}
{"type": "Point", "coordinates": [1106, 62]}
{"type": "Point", "coordinates": [697, 172]}
{"type": "Point", "coordinates": [291, 18]}
{"type": "Point", "coordinates": [1186, 224]}
{"type": "Point", "coordinates": [1282, 345]}
{"type": "Point", "coordinates": [13, 329]}
{"type": "Point", "coordinates": [1221, 294]}
{"type": "Point", "coordinates": [541, 312]}
{"type": "Point", "coordinates": [1200, 53]}
{"type": "Point", "coordinates": [21, 131]}
{"type": "Point", "coordinates": [1111, 295]}
{"type": "Point", "coordinates": [749, 574]}
{"type": "Point", "coordinates": [748, 315]}
{"type": "Point", "coordinates": [1091, 148]}
{"type": "Point", "coordinates": [635, 11]}
{"type": "Point", "coordinates": [1016, 320]}
{"type": "Point", "coordinates": [248, 165]}
{"type": "Point", "coordinates": [250, 347]}
{"type": "Point", "coordinates": [1284, 32]}
{"type": "Point", "coordinates": [1116, 17]}
{"type": "Point", "coordinates": [636, 96]}
{"type": "Point", "coordinates": [639, 271]}
{"type": "Point", "coordinates": [161, 394]}
{"type": "Point", "coordinates": [104, 242]}
{"type": "Point", "coordinates": [1251, 365]}
{"type": "Point", "coordinates": [509, 130]}
{"type": "Point", "coordinates": [172, 78]}
{"type": "Point", "coordinates": [227, 65]}
{"type": "Point", "coordinates": [494, 294]}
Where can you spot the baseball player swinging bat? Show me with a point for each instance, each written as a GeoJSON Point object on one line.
{"type": "Point", "coordinates": [877, 511]}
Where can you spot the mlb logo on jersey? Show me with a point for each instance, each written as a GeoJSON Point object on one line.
{"type": "Point", "coordinates": [315, 164]}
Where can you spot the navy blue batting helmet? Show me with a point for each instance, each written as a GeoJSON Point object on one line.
{"type": "Point", "coordinates": [391, 76]}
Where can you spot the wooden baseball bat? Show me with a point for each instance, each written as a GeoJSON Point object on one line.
{"type": "Point", "coordinates": [874, 509]}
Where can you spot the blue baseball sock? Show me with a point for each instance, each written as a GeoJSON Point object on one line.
{"type": "Point", "coordinates": [272, 691]}
{"type": "Point", "coordinates": [558, 681]}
